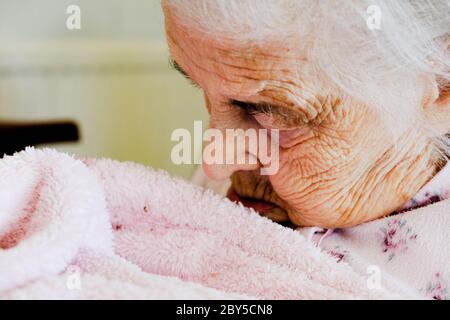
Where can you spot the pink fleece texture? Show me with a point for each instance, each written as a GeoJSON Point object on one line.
{"type": "Point", "coordinates": [101, 229]}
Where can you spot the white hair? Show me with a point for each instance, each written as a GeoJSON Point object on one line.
{"type": "Point", "coordinates": [378, 66]}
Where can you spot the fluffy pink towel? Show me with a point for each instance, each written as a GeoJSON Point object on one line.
{"type": "Point", "coordinates": [100, 229]}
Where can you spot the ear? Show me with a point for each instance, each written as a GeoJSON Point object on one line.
{"type": "Point", "coordinates": [436, 104]}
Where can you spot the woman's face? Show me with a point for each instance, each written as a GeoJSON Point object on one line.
{"type": "Point", "coordinates": [338, 164]}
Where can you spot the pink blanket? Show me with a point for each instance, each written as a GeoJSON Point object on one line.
{"type": "Point", "coordinates": [100, 229]}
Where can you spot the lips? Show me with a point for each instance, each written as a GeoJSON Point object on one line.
{"type": "Point", "coordinates": [264, 208]}
{"type": "Point", "coordinates": [260, 206]}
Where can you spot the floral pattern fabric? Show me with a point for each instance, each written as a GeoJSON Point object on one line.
{"type": "Point", "coordinates": [396, 235]}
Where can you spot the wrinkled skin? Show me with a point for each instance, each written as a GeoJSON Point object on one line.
{"type": "Point", "coordinates": [339, 166]}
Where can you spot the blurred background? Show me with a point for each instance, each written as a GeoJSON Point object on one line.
{"type": "Point", "coordinates": [112, 77]}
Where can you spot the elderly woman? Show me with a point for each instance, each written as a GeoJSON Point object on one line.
{"type": "Point", "coordinates": [359, 93]}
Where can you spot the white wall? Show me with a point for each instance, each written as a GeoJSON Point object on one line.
{"type": "Point", "coordinates": [45, 19]}
{"type": "Point", "coordinates": [112, 76]}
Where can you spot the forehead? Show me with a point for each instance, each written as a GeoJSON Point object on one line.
{"type": "Point", "coordinates": [189, 34]}
{"type": "Point", "coordinates": [243, 19]}
{"type": "Point", "coordinates": [271, 59]}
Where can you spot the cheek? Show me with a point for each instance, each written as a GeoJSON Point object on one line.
{"type": "Point", "coordinates": [306, 160]}
{"type": "Point", "coordinates": [306, 172]}
{"type": "Point", "coordinates": [288, 180]}
{"type": "Point", "coordinates": [300, 184]}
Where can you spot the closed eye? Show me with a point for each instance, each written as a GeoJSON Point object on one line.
{"type": "Point", "coordinates": [278, 116]}
{"type": "Point", "coordinates": [253, 108]}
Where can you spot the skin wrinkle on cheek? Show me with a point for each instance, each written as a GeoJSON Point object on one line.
{"type": "Point", "coordinates": [393, 173]}
{"type": "Point", "coordinates": [299, 195]}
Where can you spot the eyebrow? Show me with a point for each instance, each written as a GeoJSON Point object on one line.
{"type": "Point", "coordinates": [177, 67]}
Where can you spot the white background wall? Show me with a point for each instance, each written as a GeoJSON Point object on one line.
{"type": "Point", "coordinates": [112, 76]}
{"type": "Point", "coordinates": [45, 19]}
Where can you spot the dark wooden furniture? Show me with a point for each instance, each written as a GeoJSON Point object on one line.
{"type": "Point", "coordinates": [15, 136]}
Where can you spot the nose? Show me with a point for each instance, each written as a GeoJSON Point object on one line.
{"type": "Point", "coordinates": [232, 143]}
{"type": "Point", "coordinates": [229, 151]}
